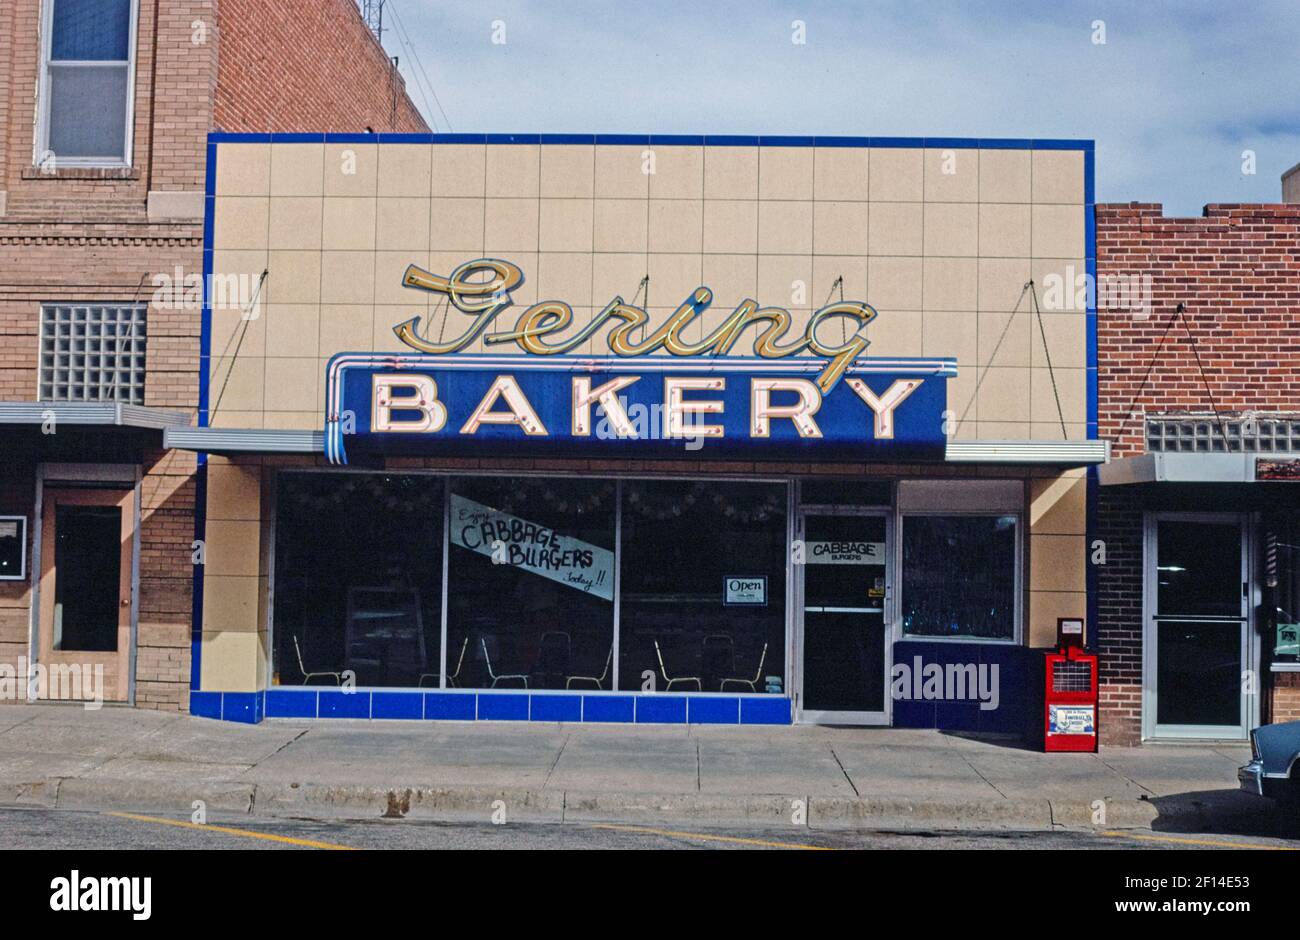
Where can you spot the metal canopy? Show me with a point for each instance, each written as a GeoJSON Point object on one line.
{"type": "Point", "coordinates": [278, 441]}
{"type": "Point", "coordinates": [1051, 453]}
{"type": "Point", "coordinates": [1179, 468]}
{"type": "Point", "coordinates": [97, 413]}
{"type": "Point", "coordinates": [245, 440]}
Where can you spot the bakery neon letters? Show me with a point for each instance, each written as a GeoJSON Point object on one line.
{"type": "Point", "coordinates": [408, 403]}
{"type": "Point", "coordinates": [481, 288]}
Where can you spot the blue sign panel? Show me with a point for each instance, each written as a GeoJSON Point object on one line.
{"type": "Point", "coordinates": [648, 406]}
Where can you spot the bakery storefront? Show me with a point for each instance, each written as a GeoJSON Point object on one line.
{"type": "Point", "coordinates": [640, 429]}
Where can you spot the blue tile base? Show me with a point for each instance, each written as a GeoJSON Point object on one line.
{"type": "Point", "coordinates": [516, 705]}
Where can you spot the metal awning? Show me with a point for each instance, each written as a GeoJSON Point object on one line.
{"type": "Point", "coordinates": [98, 413]}
{"type": "Point", "coordinates": [1049, 453]}
{"type": "Point", "coordinates": [245, 440]}
{"type": "Point", "coordinates": [278, 441]}
{"type": "Point", "coordinates": [1179, 468]}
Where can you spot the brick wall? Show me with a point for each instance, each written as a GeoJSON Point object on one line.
{"type": "Point", "coordinates": [1237, 270]}
{"type": "Point", "coordinates": [271, 75]}
{"type": "Point", "coordinates": [1119, 616]}
{"type": "Point", "coordinates": [85, 235]}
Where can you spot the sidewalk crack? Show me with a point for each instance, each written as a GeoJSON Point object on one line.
{"type": "Point", "coordinates": [558, 754]}
{"type": "Point", "coordinates": [698, 786]}
{"type": "Point", "coordinates": [980, 775]}
{"type": "Point", "coordinates": [294, 740]}
{"type": "Point", "coordinates": [1101, 760]}
{"type": "Point", "coordinates": [845, 772]}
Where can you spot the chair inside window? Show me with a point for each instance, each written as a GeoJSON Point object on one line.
{"type": "Point", "coordinates": [741, 680]}
{"type": "Point", "coordinates": [685, 680]}
{"type": "Point", "coordinates": [492, 675]}
{"type": "Point", "coordinates": [451, 677]}
{"type": "Point", "coordinates": [597, 681]}
{"type": "Point", "coordinates": [308, 676]}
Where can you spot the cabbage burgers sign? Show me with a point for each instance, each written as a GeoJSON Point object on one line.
{"type": "Point", "coordinates": [813, 391]}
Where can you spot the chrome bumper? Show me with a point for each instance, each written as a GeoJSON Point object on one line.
{"type": "Point", "coordinates": [1251, 778]}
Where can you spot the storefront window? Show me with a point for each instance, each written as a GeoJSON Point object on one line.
{"type": "Point", "coordinates": [959, 576]}
{"type": "Point", "coordinates": [530, 583]}
{"type": "Point", "coordinates": [1282, 575]}
{"type": "Point", "coordinates": [358, 578]}
{"type": "Point", "coordinates": [703, 586]}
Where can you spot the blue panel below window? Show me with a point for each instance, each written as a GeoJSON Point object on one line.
{"type": "Point", "coordinates": [713, 711]}
{"type": "Point", "coordinates": [205, 704]}
{"type": "Point", "coordinates": [956, 716]}
{"type": "Point", "coordinates": [344, 704]}
{"type": "Point", "coordinates": [656, 710]}
{"type": "Point", "coordinates": [911, 714]}
{"type": "Point", "coordinates": [556, 708]}
{"type": "Point", "coordinates": [290, 703]}
{"type": "Point", "coordinates": [449, 706]}
{"type": "Point", "coordinates": [616, 708]}
{"type": "Point", "coordinates": [397, 705]}
{"type": "Point", "coordinates": [765, 711]}
{"type": "Point", "coordinates": [244, 707]}
{"type": "Point", "coordinates": [503, 707]}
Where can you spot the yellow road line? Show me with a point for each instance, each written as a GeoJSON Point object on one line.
{"type": "Point", "coordinates": [246, 833]}
{"type": "Point", "coordinates": [711, 838]}
{"type": "Point", "coordinates": [1215, 842]}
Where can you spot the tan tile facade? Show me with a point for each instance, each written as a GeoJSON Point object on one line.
{"type": "Point", "coordinates": [941, 242]}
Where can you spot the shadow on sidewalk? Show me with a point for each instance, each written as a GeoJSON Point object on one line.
{"type": "Point", "coordinates": [1225, 812]}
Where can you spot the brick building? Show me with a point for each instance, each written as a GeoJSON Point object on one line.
{"type": "Point", "coordinates": [105, 108]}
{"type": "Point", "coordinates": [1199, 357]}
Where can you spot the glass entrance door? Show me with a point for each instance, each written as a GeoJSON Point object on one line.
{"type": "Point", "coordinates": [844, 573]}
{"type": "Point", "coordinates": [1197, 639]}
{"type": "Point", "coordinates": [85, 604]}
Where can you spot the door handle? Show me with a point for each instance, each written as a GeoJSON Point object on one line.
{"type": "Point", "coordinates": [126, 602]}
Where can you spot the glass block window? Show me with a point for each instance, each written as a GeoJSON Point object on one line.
{"type": "Point", "coordinates": [86, 83]}
{"type": "Point", "coordinates": [93, 353]}
{"type": "Point", "coordinates": [1205, 434]}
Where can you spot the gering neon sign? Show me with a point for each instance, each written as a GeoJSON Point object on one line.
{"type": "Point", "coordinates": [485, 299]}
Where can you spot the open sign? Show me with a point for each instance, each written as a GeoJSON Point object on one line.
{"type": "Point", "coordinates": [744, 592]}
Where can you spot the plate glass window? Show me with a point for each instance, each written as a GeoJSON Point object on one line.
{"type": "Point", "coordinates": [530, 583]}
{"type": "Point", "coordinates": [959, 576]}
{"type": "Point", "coordinates": [86, 81]}
{"type": "Point", "coordinates": [358, 579]}
{"type": "Point", "coordinates": [684, 541]}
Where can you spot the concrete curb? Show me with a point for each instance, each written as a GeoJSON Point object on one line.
{"type": "Point", "coordinates": [481, 804]}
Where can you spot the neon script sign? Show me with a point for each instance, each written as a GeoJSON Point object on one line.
{"type": "Point", "coordinates": [484, 299]}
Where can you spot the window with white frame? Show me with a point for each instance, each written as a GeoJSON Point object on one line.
{"type": "Point", "coordinates": [86, 82]}
{"type": "Point", "coordinates": [93, 352]}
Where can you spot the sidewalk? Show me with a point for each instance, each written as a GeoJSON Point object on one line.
{"type": "Point", "coordinates": [117, 758]}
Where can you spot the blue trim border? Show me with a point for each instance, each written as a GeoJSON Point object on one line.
{"type": "Point", "coordinates": [484, 705]}
{"type": "Point", "coordinates": [662, 140]}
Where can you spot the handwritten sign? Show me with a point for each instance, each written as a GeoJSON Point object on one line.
{"type": "Point", "coordinates": [510, 540]}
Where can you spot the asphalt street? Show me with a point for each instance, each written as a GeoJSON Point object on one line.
{"type": "Point", "coordinates": [32, 828]}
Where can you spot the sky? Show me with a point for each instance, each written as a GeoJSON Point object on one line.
{"type": "Point", "coordinates": [1189, 103]}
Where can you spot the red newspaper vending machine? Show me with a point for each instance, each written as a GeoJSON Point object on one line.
{"type": "Point", "coordinates": [1070, 703]}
